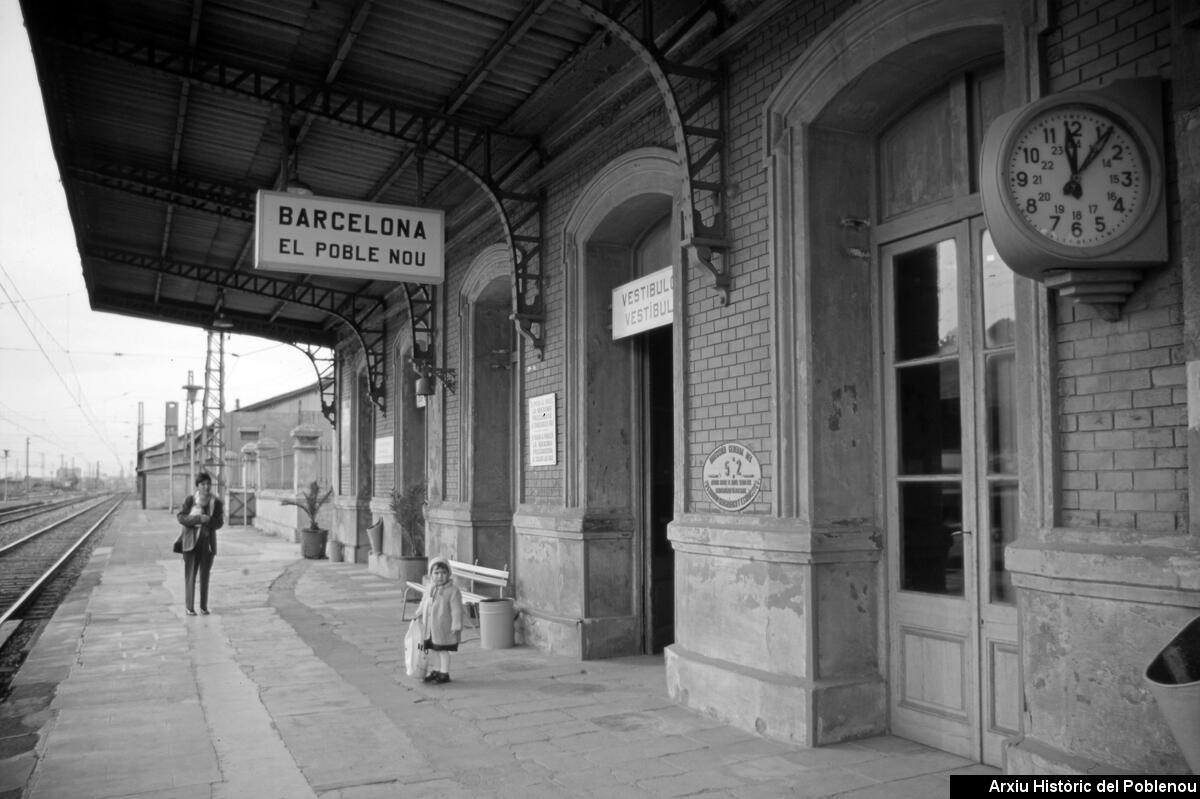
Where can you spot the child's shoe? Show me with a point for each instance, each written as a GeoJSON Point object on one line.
{"type": "Point", "coordinates": [432, 676]}
{"type": "Point", "coordinates": [441, 677]}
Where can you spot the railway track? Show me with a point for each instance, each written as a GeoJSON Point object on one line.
{"type": "Point", "coordinates": [37, 569]}
{"type": "Point", "coordinates": [33, 509]}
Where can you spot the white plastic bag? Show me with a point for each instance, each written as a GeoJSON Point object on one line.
{"type": "Point", "coordinates": [414, 658]}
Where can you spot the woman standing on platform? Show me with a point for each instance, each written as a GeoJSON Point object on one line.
{"type": "Point", "coordinates": [201, 516]}
{"type": "Point", "coordinates": [440, 613]}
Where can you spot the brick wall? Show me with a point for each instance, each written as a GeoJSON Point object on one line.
{"type": "Point", "coordinates": [1122, 395]}
{"type": "Point", "coordinates": [728, 374]}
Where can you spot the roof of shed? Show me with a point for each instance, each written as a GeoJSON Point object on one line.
{"type": "Point", "coordinates": [167, 116]}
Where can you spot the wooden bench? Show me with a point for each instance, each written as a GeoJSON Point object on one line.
{"type": "Point", "coordinates": [466, 576]}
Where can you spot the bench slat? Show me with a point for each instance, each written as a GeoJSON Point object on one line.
{"type": "Point", "coordinates": [480, 571]}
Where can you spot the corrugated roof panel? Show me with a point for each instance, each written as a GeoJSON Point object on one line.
{"type": "Point", "coordinates": [119, 120]}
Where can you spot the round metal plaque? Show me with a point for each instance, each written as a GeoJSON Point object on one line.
{"type": "Point", "coordinates": [732, 476]}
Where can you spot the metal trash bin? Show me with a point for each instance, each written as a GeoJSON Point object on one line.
{"type": "Point", "coordinates": [1174, 680]}
{"type": "Point", "coordinates": [496, 623]}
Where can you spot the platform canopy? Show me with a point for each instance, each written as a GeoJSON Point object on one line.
{"type": "Point", "coordinates": [168, 116]}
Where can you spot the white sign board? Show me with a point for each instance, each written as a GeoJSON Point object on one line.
{"type": "Point", "coordinates": [383, 451]}
{"type": "Point", "coordinates": [344, 238]}
{"type": "Point", "coordinates": [344, 426]}
{"type": "Point", "coordinates": [543, 431]}
{"type": "Point", "coordinates": [643, 304]}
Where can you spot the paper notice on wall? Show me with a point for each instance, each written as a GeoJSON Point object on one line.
{"type": "Point", "coordinates": [543, 431]}
{"type": "Point", "coordinates": [384, 448]}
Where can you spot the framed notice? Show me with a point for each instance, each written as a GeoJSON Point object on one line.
{"type": "Point", "coordinates": [543, 431]}
{"type": "Point", "coordinates": [384, 447]}
{"type": "Point", "coordinates": [344, 426]}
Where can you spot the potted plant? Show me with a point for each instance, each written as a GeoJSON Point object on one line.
{"type": "Point", "coordinates": [408, 510]}
{"type": "Point", "coordinates": [312, 538]}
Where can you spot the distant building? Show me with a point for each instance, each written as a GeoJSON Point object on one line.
{"type": "Point", "coordinates": [258, 451]}
{"type": "Point", "coordinates": [67, 477]}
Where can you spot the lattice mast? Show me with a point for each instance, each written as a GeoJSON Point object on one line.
{"type": "Point", "coordinates": [213, 447]}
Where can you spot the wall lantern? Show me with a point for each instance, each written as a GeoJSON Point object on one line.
{"type": "Point", "coordinates": [427, 373]}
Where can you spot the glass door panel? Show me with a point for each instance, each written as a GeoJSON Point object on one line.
{"type": "Point", "coordinates": [931, 537]}
{"type": "Point", "coordinates": [925, 301]}
{"type": "Point", "coordinates": [996, 363]}
{"type": "Point", "coordinates": [930, 418]}
{"type": "Point", "coordinates": [998, 328]}
{"type": "Point", "coordinates": [1002, 531]}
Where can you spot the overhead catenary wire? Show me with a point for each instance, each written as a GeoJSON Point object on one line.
{"type": "Point", "coordinates": [78, 398]}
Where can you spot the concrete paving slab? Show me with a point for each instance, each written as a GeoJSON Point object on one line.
{"type": "Point", "coordinates": [294, 688]}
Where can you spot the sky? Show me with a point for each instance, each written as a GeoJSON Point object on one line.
{"type": "Point", "coordinates": [71, 378]}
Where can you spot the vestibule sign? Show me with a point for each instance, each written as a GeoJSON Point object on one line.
{"type": "Point", "coordinates": [344, 238]}
{"type": "Point", "coordinates": [732, 476]}
{"type": "Point", "coordinates": [643, 304]}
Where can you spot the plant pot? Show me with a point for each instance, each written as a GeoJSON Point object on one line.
{"type": "Point", "coordinates": [334, 550]}
{"type": "Point", "coordinates": [312, 543]}
{"type": "Point", "coordinates": [375, 536]}
{"type": "Point", "coordinates": [1174, 680]}
{"type": "Point", "coordinates": [413, 568]}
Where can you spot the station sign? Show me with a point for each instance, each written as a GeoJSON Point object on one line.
{"type": "Point", "coordinates": [345, 238]}
{"type": "Point", "coordinates": [643, 304]}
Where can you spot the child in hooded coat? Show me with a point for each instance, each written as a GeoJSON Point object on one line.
{"type": "Point", "coordinates": [441, 615]}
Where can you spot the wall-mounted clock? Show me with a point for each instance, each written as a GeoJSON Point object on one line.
{"type": "Point", "coordinates": [1074, 181]}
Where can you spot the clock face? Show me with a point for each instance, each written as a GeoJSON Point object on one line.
{"type": "Point", "coordinates": [1078, 176]}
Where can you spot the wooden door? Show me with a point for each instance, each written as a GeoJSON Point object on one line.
{"type": "Point", "coordinates": [951, 501]}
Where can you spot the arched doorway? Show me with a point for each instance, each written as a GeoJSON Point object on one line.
{"type": "Point", "coordinates": [364, 463]}
{"type": "Point", "coordinates": [410, 456]}
{"type": "Point", "coordinates": [489, 389]}
{"type": "Point", "coordinates": [653, 353]}
{"type": "Point", "coordinates": [621, 431]}
{"type": "Point", "coordinates": [889, 293]}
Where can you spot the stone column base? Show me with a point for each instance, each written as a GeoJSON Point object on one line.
{"type": "Point", "coordinates": [1026, 756]}
{"type": "Point", "coordinates": [776, 706]}
{"type": "Point", "coordinates": [1095, 608]}
{"type": "Point", "coordinates": [777, 627]}
{"type": "Point", "coordinates": [575, 582]}
{"type": "Point", "coordinates": [586, 639]}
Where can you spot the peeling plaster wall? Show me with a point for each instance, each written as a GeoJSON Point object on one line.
{"type": "Point", "coordinates": [1084, 694]}
{"type": "Point", "coordinates": [848, 612]}
{"type": "Point", "coordinates": [749, 613]}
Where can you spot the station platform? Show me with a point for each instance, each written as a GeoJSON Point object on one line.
{"type": "Point", "coordinates": [294, 687]}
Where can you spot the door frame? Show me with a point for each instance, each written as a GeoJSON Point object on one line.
{"type": "Point", "coordinates": [948, 620]}
{"type": "Point", "coordinates": [985, 631]}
